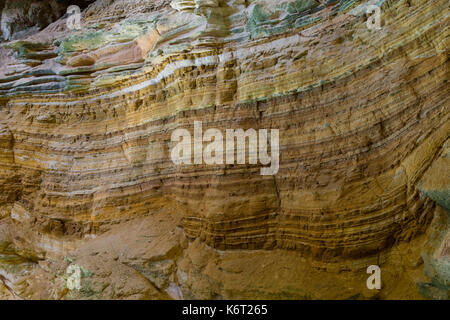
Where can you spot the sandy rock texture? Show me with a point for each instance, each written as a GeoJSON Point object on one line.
{"type": "Point", "coordinates": [87, 181]}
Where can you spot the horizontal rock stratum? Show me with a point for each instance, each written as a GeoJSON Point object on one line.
{"type": "Point", "coordinates": [87, 179]}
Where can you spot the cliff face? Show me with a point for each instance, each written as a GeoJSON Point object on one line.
{"type": "Point", "coordinates": [19, 19]}
{"type": "Point", "coordinates": [87, 179]}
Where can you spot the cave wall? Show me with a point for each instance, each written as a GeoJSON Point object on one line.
{"type": "Point", "coordinates": [86, 121]}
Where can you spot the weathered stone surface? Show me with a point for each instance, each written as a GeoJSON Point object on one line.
{"type": "Point", "coordinates": [85, 138]}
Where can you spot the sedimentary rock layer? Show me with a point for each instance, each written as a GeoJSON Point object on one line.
{"type": "Point", "coordinates": [87, 118]}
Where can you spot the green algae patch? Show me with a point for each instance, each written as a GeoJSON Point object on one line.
{"type": "Point", "coordinates": [31, 51]}
{"type": "Point", "coordinates": [265, 20]}
{"type": "Point", "coordinates": [86, 41]}
{"type": "Point", "coordinates": [126, 31]}
{"type": "Point", "coordinates": [26, 46]}
{"type": "Point", "coordinates": [13, 260]}
{"type": "Point", "coordinates": [300, 6]}
{"type": "Point", "coordinates": [442, 197]}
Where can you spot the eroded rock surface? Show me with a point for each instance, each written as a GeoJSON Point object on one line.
{"type": "Point", "coordinates": [86, 177]}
